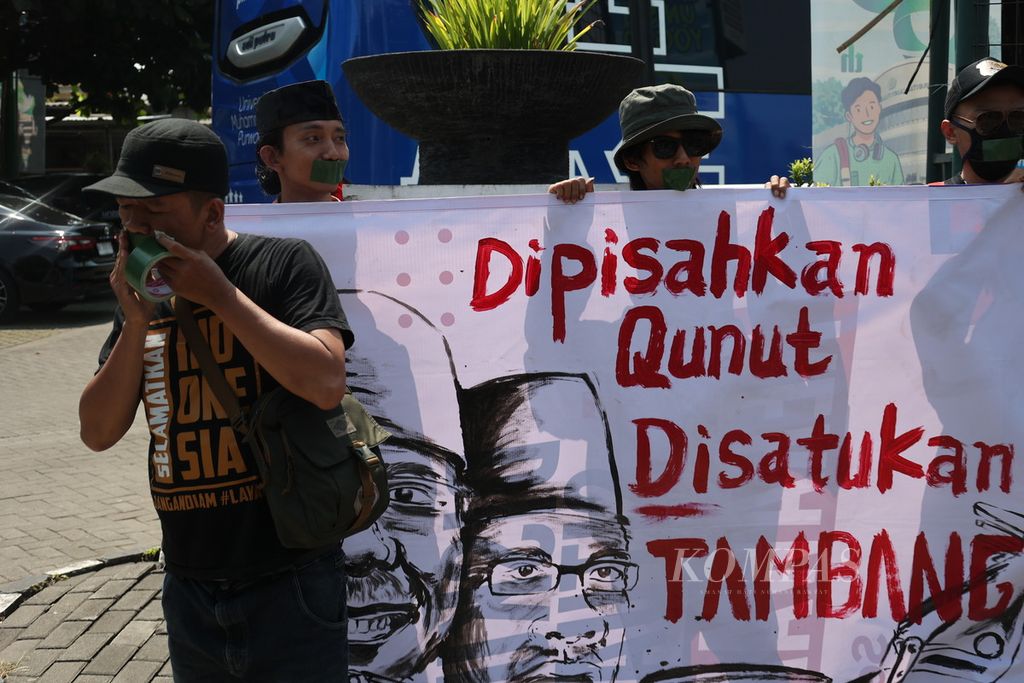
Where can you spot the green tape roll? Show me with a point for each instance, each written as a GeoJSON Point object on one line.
{"type": "Point", "coordinates": [141, 269]}
{"type": "Point", "coordinates": [324, 171]}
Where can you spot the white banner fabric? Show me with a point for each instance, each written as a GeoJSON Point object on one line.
{"type": "Point", "coordinates": [684, 437]}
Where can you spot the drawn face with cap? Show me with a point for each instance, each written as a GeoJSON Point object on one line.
{"type": "Point", "coordinates": [547, 554]}
{"type": "Point", "coordinates": [549, 593]}
{"type": "Point", "coordinates": [404, 572]}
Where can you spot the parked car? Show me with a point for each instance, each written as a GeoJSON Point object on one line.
{"type": "Point", "coordinates": [49, 258]}
{"type": "Point", "coordinates": [10, 188]}
{"type": "Point", "coordinates": [64, 191]}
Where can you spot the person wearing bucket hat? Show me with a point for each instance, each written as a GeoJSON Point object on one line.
{"type": "Point", "coordinates": [302, 151]}
{"type": "Point", "coordinates": [664, 138]}
{"type": "Point", "coordinates": [984, 121]}
{"type": "Point", "coordinates": [271, 315]}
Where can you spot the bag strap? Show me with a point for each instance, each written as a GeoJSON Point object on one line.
{"type": "Point", "coordinates": [214, 375]}
{"type": "Point", "coordinates": [844, 161]}
{"type": "Point", "coordinates": [369, 488]}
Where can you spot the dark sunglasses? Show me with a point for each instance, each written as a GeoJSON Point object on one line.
{"type": "Point", "coordinates": [987, 122]}
{"type": "Point", "coordinates": [696, 143]}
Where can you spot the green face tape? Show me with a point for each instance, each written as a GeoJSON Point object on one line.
{"type": "Point", "coordinates": [678, 178]}
{"type": "Point", "coordinates": [324, 171]}
{"type": "Point", "coordinates": [141, 269]}
{"type": "Point", "coordinates": [1002, 149]}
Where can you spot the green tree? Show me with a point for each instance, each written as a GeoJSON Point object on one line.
{"type": "Point", "coordinates": [125, 58]}
{"type": "Point", "coordinates": [828, 104]}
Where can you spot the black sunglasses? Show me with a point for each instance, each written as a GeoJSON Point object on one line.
{"type": "Point", "coordinates": [696, 143]}
{"type": "Point", "coordinates": [987, 122]}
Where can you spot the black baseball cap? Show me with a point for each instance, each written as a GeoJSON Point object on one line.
{"type": "Point", "coordinates": [166, 157]}
{"type": "Point", "coordinates": [982, 74]}
{"type": "Point", "coordinates": [296, 103]}
{"type": "Point", "coordinates": [652, 110]}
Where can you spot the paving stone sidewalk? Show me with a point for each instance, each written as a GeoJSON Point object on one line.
{"type": "Point", "coordinates": [101, 626]}
{"type": "Point", "coordinates": [59, 502]}
{"type": "Point", "coordinates": [64, 509]}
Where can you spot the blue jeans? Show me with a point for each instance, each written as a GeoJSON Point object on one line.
{"type": "Point", "coordinates": [291, 627]}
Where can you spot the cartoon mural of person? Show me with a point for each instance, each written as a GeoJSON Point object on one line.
{"type": "Point", "coordinates": [855, 159]}
{"type": "Point", "coordinates": [403, 573]}
{"type": "Point", "coordinates": [548, 569]}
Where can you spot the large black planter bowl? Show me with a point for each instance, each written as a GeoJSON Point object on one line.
{"type": "Point", "coordinates": [492, 116]}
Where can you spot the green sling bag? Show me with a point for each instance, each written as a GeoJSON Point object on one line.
{"type": "Point", "coordinates": [323, 476]}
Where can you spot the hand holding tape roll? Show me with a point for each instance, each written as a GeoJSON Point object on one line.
{"type": "Point", "coordinates": [141, 271]}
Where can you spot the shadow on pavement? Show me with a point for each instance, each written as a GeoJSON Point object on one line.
{"type": "Point", "coordinates": [80, 314]}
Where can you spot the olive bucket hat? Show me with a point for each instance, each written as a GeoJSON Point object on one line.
{"type": "Point", "coordinates": [651, 110]}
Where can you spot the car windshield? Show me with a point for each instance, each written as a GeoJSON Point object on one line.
{"type": "Point", "coordinates": [35, 210]}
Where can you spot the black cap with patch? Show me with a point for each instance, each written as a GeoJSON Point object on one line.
{"type": "Point", "coordinates": [296, 103]}
{"type": "Point", "coordinates": [982, 74]}
{"type": "Point", "coordinates": [166, 157]}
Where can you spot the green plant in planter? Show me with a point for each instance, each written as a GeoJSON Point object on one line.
{"type": "Point", "coordinates": [503, 24]}
{"type": "Point", "coordinates": [801, 171]}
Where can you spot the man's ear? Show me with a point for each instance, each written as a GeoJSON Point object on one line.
{"type": "Point", "coordinates": [948, 131]}
{"type": "Point", "coordinates": [213, 213]}
{"type": "Point", "coordinates": [631, 164]}
{"type": "Point", "coordinates": [269, 155]}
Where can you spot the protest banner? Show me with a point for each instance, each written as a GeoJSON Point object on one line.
{"type": "Point", "coordinates": [662, 436]}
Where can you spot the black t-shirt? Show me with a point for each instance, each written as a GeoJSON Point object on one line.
{"type": "Point", "coordinates": [203, 478]}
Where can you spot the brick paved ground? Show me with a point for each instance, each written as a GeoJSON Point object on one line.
{"type": "Point", "coordinates": [60, 505]}
{"type": "Point", "coordinates": [98, 627]}
{"type": "Point", "coordinates": [59, 502]}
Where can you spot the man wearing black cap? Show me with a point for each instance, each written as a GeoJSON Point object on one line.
{"type": "Point", "coordinates": [985, 121]}
{"type": "Point", "coordinates": [301, 153]}
{"type": "Point", "coordinates": [237, 603]}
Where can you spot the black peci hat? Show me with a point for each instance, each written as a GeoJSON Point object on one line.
{"type": "Point", "coordinates": [296, 103]}
{"type": "Point", "coordinates": [166, 157]}
{"type": "Point", "coordinates": [982, 74]}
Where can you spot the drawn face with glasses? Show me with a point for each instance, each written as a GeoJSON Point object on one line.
{"type": "Point", "coordinates": [550, 591]}
{"type": "Point", "coordinates": [670, 150]}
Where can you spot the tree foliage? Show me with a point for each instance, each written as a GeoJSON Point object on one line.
{"type": "Point", "coordinates": [828, 104]}
{"type": "Point", "coordinates": [124, 58]}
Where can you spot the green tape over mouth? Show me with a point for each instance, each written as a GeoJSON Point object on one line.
{"type": "Point", "coordinates": [678, 178]}
{"type": "Point", "coordinates": [324, 171]}
{"type": "Point", "coordinates": [141, 270]}
{"type": "Point", "coordinates": [1002, 149]}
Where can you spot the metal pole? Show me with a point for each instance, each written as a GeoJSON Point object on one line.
{"type": "Point", "coordinates": [640, 28]}
{"type": "Point", "coordinates": [971, 36]}
{"type": "Point", "coordinates": [938, 75]}
{"type": "Point", "coordinates": [9, 127]}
